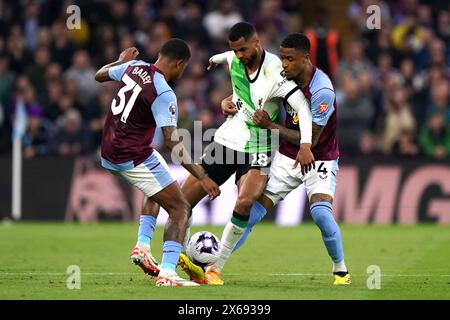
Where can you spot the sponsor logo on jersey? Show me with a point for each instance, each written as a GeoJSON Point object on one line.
{"type": "Point", "coordinates": [323, 107]}
{"type": "Point", "coordinates": [172, 109]}
{"type": "Point", "coordinates": [282, 82]}
{"type": "Point", "coordinates": [290, 110]}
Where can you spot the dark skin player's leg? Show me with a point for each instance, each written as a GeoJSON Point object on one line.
{"type": "Point", "coordinates": [265, 202]}
{"type": "Point", "coordinates": [250, 187]}
{"type": "Point", "coordinates": [150, 208]}
{"type": "Point", "coordinates": [192, 191]}
{"type": "Point", "coordinates": [172, 200]}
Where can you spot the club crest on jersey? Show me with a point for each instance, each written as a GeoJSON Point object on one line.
{"type": "Point", "coordinates": [295, 119]}
{"type": "Point", "coordinates": [323, 107]}
{"type": "Point", "coordinates": [260, 102]}
{"type": "Point", "coordinates": [172, 109]}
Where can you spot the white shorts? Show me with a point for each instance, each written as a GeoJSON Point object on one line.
{"type": "Point", "coordinates": [151, 176]}
{"type": "Point", "coordinates": [283, 179]}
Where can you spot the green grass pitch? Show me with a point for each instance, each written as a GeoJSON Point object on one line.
{"type": "Point", "coordinates": [276, 263]}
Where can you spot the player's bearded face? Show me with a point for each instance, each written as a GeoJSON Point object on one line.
{"type": "Point", "coordinates": [246, 51]}
{"type": "Point", "coordinates": [252, 58]}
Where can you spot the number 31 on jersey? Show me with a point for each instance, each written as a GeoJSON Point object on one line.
{"type": "Point", "coordinates": [123, 104]}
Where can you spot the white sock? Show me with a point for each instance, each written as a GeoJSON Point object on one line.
{"type": "Point", "coordinates": [143, 246]}
{"type": "Point", "coordinates": [339, 266]}
{"type": "Point", "coordinates": [230, 237]}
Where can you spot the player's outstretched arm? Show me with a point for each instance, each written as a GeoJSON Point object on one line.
{"type": "Point", "coordinates": [217, 59]}
{"type": "Point", "coordinates": [179, 154]}
{"type": "Point", "coordinates": [127, 55]}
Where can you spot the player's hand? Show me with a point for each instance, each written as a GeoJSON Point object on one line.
{"type": "Point", "coordinates": [128, 54]}
{"type": "Point", "coordinates": [261, 119]}
{"type": "Point", "coordinates": [210, 187]}
{"type": "Point", "coordinates": [228, 107]}
{"type": "Point", "coordinates": [211, 65]}
{"type": "Point", "coordinates": [305, 158]}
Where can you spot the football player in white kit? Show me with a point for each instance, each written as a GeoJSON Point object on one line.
{"type": "Point", "coordinates": [258, 83]}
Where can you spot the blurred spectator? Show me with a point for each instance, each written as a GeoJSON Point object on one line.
{"type": "Point", "coordinates": [83, 74]}
{"type": "Point", "coordinates": [437, 56]}
{"type": "Point", "coordinates": [71, 138]}
{"type": "Point", "coordinates": [36, 72]}
{"type": "Point", "coordinates": [53, 72]}
{"type": "Point", "coordinates": [407, 60]}
{"type": "Point", "coordinates": [219, 21]}
{"type": "Point", "coordinates": [190, 25]}
{"type": "Point", "coordinates": [408, 36]}
{"type": "Point", "coordinates": [325, 43]}
{"type": "Point", "coordinates": [440, 100]}
{"type": "Point", "coordinates": [31, 27]}
{"type": "Point", "coordinates": [270, 14]}
{"type": "Point", "coordinates": [424, 16]}
{"type": "Point", "coordinates": [6, 80]}
{"type": "Point", "coordinates": [435, 137]}
{"type": "Point", "coordinates": [405, 145]}
{"type": "Point", "coordinates": [44, 38]}
{"type": "Point", "coordinates": [355, 114]}
{"type": "Point", "coordinates": [62, 47]}
{"type": "Point", "coordinates": [15, 46]}
{"type": "Point", "coordinates": [51, 100]}
{"type": "Point", "coordinates": [443, 28]}
{"type": "Point", "coordinates": [36, 141]}
{"type": "Point", "coordinates": [381, 44]}
{"type": "Point", "coordinates": [367, 144]}
{"type": "Point", "coordinates": [354, 63]}
{"type": "Point", "coordinates": [398, 118]}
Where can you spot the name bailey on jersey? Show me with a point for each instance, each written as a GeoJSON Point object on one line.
{"type": "Point", "coordinates": [146, 78]}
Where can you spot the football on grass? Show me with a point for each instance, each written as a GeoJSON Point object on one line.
{"type": "Point", "coordinates": [203, 248]}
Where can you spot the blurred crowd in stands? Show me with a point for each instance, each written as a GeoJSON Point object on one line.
{"type": "Point", "coordinates": [392, 84]}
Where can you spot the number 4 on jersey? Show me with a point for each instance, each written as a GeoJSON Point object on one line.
{"type": "Point", "coordinates": [118, 108]}
{"type": "Point", "coordinates": [322, 170]}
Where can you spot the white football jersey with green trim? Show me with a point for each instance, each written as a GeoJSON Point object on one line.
{"type": "Point", "coordinates": [264, 90]}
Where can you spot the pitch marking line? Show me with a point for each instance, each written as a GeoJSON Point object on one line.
{"type": "Point", "coordinates": [228, 274]}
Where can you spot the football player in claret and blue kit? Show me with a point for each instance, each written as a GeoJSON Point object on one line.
{"type": "Point", "coordinates": [143, 102]}
{"type": "Point", "coordinates": [284, 175]}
